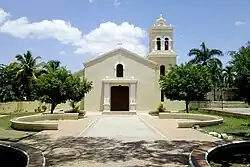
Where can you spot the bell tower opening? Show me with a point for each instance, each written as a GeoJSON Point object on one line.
{"type": "Point", "coordinates": [166, 42]}
{"type": "Point", "coordinates": [158, 43]}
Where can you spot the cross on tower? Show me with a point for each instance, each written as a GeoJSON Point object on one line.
{"type": "Point", "coordinates": [119, 44]}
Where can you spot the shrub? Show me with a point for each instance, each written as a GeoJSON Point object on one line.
{"type": "Point", "coordinates": [38, 109]}
{"type": "Point", "coordinates": [161, 108]}
{"type": "Point", "coordinates": [44, 108]}
{"type": "Point", "coordinates": [75, 108]}
{"type": "Point", "coordinates": [17, 110]}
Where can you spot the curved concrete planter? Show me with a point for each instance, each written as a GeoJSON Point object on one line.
{"type": "Point", "coordinates": [192, 120]}
{"type": "Point", "coordinates": [199, 157]}
{"type": "Point", "coordinates": [28, 123]}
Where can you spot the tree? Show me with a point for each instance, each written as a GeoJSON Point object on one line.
{"type": "Point", "coordinates": [186, 82]}
{"type": "Point", "coordinates": [59, 86]}
{"type": "Point", "coordinates": [229, 76]}
{"type": "Point", "coordinates": [50, 87]}
{"type": "Point", "coordinates": [10, 90]}
{"type": "Point", "coordinates": [76, 89]}
{"type": "Point", "coordinates": [205, 56]}
{"type": "Point", "coordinates": [6, 93]}
{"type": "Point", "coordinates": [241, 64]}
{"type": "Point", "coordinates": [51, 66]}
{"type": "Point", "coordinates": [216, 73]}
{"type": "Point", "coordinates": [27, 72]}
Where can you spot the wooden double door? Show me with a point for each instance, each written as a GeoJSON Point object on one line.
{"type": "Point", "coordinates": [119, 98]}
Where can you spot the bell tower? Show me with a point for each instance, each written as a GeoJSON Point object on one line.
{"type": "Point", "coordinates": [161, 44]}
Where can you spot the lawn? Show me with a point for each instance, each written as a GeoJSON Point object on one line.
{"type": "Point", "coordinates": [237, 127]}
{"type": "Point", "coordinates": [9, 134]}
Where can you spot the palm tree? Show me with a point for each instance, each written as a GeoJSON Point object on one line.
{"type": "Point", "coordinates": [229, 76]}
{"type": "Point", "coordinates": [217, 77]}
{"type": "Point", "coordinates": [51, 66]}
{"type": "Point", "coordinates": [204, 56]}
{"type": "Point", "coordinates": [27, 71]}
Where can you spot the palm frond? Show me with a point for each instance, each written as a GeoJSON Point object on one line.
{"type": "Point", "coordinates": [214, 62]}
{"type": "Point", "coordinates": [194, 52]}
{"type": "Point", "coordinates": [214, 52]}
{"type": "Point", "coordinates": [204, 48]}
{"type": "Point", "coordinates": [21, 59]}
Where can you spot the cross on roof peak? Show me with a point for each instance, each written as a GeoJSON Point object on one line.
{"type": "Point", "coordinates": [119, 44]}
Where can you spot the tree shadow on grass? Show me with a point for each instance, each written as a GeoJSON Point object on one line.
{"type": "Point", "coordinates": [103, 150]}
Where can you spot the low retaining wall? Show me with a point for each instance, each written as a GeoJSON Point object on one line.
{"type": "Point", "coordinates": [61, 116]}
{"type": "Point", "coordinates": [28, 123]}
{"type": "Point", "coordinates": [225, 113]}
{"type": "Point", "coordinates": [192, 119]}
{"type": "Point", "coordinates": [195, 105]}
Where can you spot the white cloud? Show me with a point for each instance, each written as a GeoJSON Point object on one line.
{"type": "Point", "coordinates": [62, 52]}
{"type": "Point", "coordinates": [117, 3]}
{"type": "Point", "coordinates": [100, 40]}
{"type": "Point", "coordinates": [108, 35]}
{"type": "Point", "coordinates": [55, 29]}
{"type": "Point", "coordinates": [91, 1]}
{"type": "Point", "coordinates": [240, 23]}
{"type": "Point", "coordinates": [3, 15]}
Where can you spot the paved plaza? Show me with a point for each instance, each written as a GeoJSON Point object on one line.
{"type": "Point", "coordinates": [112, 141]}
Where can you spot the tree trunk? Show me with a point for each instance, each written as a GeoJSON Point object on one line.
{"type": "Point", "coordinates": [187, 106]}
{"type": "Point", "coordinates": [53, 106]}
{"type": "Point", "coordinates": [214, 94]}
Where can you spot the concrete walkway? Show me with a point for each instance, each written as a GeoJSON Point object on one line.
{"type": "Point", "coordinates": [127, 128]}
{"type": "Point", "coordinates": [168, 128]}
{"type": "Point", "coordinates": [112, 141]}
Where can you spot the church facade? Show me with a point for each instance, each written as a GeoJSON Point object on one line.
{"type": "Point", "coordinates": [125, 81]}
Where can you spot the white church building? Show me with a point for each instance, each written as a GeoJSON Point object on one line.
{"type": "Point", "coordinates": [125, 81]}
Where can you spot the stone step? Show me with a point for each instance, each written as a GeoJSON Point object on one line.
{"type": "Point", "coordinates": [118, 113]}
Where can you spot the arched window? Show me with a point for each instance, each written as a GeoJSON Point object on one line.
{"type": "Point", "coordinates": [119, 70]}
{"type": "Point", "coordinates": [162, 70]}
{"type": "Point", "coordinates": [158, 43]}
{"type": "Point", "coordinates": [166, 43]}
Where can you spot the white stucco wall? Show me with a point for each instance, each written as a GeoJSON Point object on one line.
{"type": "Point", "coordinates": [147, 90]}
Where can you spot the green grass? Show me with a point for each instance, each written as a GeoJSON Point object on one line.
{"type": "Point", "coordinates": [9, 134]}
{"type": "Point", "coordinates": [237, 127]}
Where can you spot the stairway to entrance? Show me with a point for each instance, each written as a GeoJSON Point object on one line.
{"type": "Point", "coordinates": [119, 113]}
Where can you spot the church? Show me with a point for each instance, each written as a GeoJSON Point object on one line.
{"type": "Point", "coordinates": [125, 81]}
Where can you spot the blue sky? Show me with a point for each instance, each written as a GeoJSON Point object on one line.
{"type": "Point", "coordinates": [76, 31]}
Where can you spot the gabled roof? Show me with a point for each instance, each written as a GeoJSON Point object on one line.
{"type": "Point", "coordinates": [129, 54]}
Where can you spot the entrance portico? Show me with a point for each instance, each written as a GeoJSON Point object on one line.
{"type": "Point", "coordinates": [123, 92]}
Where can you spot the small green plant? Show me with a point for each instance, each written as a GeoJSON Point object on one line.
{"type": "Point", "coordinates": [75, 108]}
{"type": "Point", "coordinates": [17, 110]}
{"type": "Point", "coordinates": [38, 109]}
{"type": "Point", "coordinates": [44, 108]}
{"type": "Point", "coordinates": [161, 108]}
